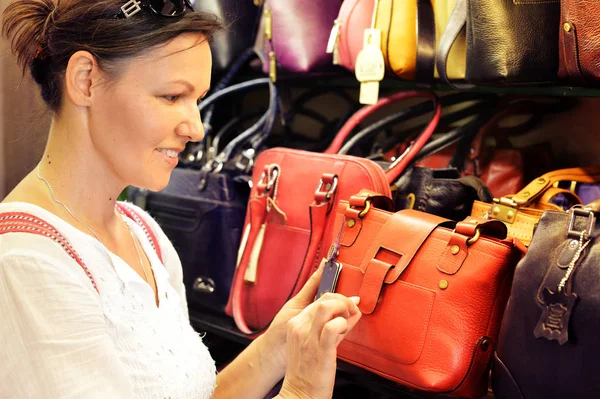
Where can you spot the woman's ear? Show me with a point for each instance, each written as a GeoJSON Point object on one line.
{"type": "Point", "coordinates": [80, 77]}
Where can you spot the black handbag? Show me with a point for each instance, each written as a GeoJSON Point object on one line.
{"type": "Point", "coordinates": [241, 20]}
{"type": "Point", "coordinates": [202, 211]}
{"type": "Point", "coordinates": [441, 192]}
{"type": "Point", "coordinates": [548, 344]}
{"type": "Point", "coordinates": [508, 41]}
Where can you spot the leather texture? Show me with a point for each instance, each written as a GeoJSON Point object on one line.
{"type": "Point", "coordinates": [528, 205]}
{"type": "Point", "coordinates": [407, 35]}
{"type": "Point", "coordinates": [579, 43]}
{"type": "Point", "coordinates": [241, 20]}
{"type": "Point", "coordinates": [354, 18]}
{"type": "Point", "coordinates": [300, 30]}
{"type": "Point", "coordinates": [527, 367]}
{"type": "Point", "coordinates": [425, 321]}
{"type": "Point", "coordinates": [512, 41]}
{"type": "Point", "coordinates": [283, 263]}
{"type": "Point", "coordinates": [397, 21]}
{"type": "Point", "coordinates": [441, 192]}
{"type": "Point", "coordinates": [203, 220]}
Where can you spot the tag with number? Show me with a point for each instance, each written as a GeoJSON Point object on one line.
{"type": "Point", "coordinates": [370, 66]}
{"type": "Point", "coordinates": [329, 278]}
{"type": "Point", "coordinates": [556, 313]}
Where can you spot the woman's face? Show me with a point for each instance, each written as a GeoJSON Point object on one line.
{"type": "Point", "coordinates": [141, 122]}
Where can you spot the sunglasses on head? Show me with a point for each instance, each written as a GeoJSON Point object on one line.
{"type": "Point", "coordinates": [166, 8]}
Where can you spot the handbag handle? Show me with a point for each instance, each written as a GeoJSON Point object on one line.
{"type": "Point", "coordinates": [366, 111]}
{"type": "Point", "coordinates": [265, 123]}
{"type": "Point", "coordinates": [223, 83]}
{"type": "Point", "coordinates": [446, 120]}
{"type": "Point", "coordinates": [535, 189]}
{"type": "Point", "coordinates": [457, 23]}
{"type": "Point", "coordinates": [425, 62]}
{"type": "Point", "coordinates": [406, 114]}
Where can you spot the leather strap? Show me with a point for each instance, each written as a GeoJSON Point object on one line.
{"type": "Point", "coordinates": [366, 111]}
{"type": "Point", "coordinates": [400, 164]}
{"type": "Point", "coordinates": [415, 227]}
{"type": "Point", "coordinates": [425, 63]}
{"type": "Point", "coordinates": [371, 285]}
{"type": "Point", "coordinates": [257, 212]}
{"type": "Point", "coordinates": [20, 222]}
{"type": "Point", "coordinates": [537, 187]}
{"type": "Point", "coordinates": [457, 23]}
{"type": "Point", "coordinates": [483, 192]}
{"type": "Point", "coordinates": [570, 53]}
{"type": "Point", "coordinates": [413, 112]}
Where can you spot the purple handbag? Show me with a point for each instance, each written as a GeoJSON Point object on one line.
{"type": "Point", "coordinates": [293, 35]}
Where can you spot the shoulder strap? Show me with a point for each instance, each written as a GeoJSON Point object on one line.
{"type": "Point", "coordinates": [20, 222]}
{"type": "Point", "coordinates": [128, 211]}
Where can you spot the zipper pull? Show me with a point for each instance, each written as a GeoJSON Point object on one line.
{"type": "Point", "coordinates": [272, 66]}
{"type": "Point", "coordinates": [268, 24]}
{"type": "Point", "coordinates": [334, 37]}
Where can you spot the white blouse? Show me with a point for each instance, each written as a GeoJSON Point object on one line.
{"type": "Point", "coordinates": [59, 338]}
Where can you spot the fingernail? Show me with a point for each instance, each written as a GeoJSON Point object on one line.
{"type": "Point", "coordinates": [355, 299]}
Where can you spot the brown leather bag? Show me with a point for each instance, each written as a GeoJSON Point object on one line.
{"type": "Point", "coordinates": [578, 41]}
{"type": "Point", "coordinates": [522, 211]}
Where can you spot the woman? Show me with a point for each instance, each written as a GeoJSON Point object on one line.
{"type": "Point", "coordinates": [122, 79]}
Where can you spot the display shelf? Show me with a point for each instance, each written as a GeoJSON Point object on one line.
{"type": "Point", "coordinates": [390, 84]}
{"type": "Point", "coordinates": [219, 324]}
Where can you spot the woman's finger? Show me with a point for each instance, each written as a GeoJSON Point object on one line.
{"type": "Point", "coordinates": [331, 332]}
{"type": "Point", "coordinates": [309, 291]}
{"type": "Point", "coordinates": [328, 307]}
{"type": "Point", "coordinates": [352, 321]}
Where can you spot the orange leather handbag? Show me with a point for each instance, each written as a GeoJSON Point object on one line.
{"type": "Point", "coordinates": [291, 212]}
{"type": "Point", "coordinates": [432, 293]}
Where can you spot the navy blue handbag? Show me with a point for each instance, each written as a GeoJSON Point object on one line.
{"type": "Point", "coordinates": [202, 210]}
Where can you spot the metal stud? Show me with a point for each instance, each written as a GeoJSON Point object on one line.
{"type": "Point", "coordinates": [455, 249]}
{"type": "Point", "coordinates": [351, 223]}
{"type": "Point", "coordinates": [443, 284]}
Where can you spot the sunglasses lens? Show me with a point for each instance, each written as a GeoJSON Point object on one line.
{"type": "Point", "coordinates": [168, 8]}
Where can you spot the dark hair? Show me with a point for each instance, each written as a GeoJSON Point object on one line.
{"type": "Point", "coordinates": [44, 34]}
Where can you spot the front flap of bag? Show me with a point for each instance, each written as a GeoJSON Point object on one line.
{"type": "Point", "coordinates": [385, 255]}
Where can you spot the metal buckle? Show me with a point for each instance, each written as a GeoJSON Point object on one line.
{"type": "Point", "coordinates": [503, 209]}
{"type": "Point", "coordinates": [273, 179]}
{"type": "Point", "coordinates": [131, 8]}
{"type": "Point", "coordinates": [331, 189]}
{"type": "Point", "coordinates": [214, 166]}
{"type": "Point", "coordinates": [579, 210]}
{"type": "Point", "coordinates": [246, 160]}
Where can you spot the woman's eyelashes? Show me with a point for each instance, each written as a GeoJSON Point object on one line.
{"type": "Point", "coordinates": [175, 98]}
{"type": "Point", "coordinates": [172, 98]}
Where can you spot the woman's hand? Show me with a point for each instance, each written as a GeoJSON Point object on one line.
{"type": "Point", "coordinates": [312, 340]}
{"type": "Point", "coordinates": [276, 336]}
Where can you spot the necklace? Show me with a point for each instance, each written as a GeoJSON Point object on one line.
{"type": "Point", "coordinates": [39, 176]}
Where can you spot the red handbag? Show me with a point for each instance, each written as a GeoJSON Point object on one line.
{"type": "Point", "coordinates": [289, 216]}
{"type": "Point", "coordinates": [432, 293]}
